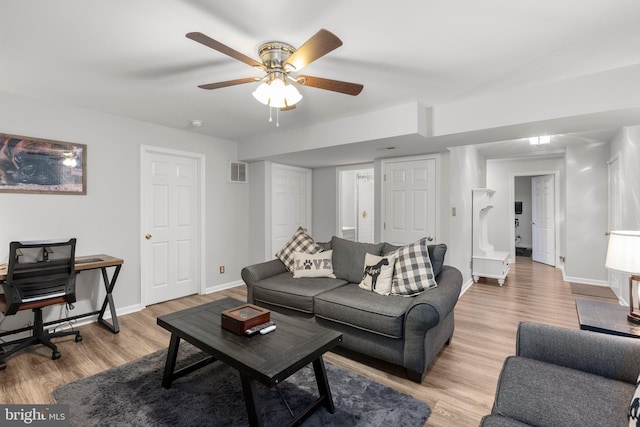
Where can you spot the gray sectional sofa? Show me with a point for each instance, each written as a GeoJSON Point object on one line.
{"type": "Point", "coordinates": [564, 377]}
{"type": "Point", "coordinates": [407, 331]}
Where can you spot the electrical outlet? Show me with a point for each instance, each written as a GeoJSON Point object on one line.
{"type": "Point", "coordinates": [222, 269]}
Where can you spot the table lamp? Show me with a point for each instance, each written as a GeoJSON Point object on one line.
{"type": "Point", "coordinates": [623, 255]}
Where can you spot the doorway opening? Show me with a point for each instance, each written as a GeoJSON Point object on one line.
{"type": "Point", "coordinates": [534, 210]}
{"type": "Point", "coordinates": [356, 198]}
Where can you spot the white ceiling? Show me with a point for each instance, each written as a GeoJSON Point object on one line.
{"type": "Point", "coordinates": [131, 57]}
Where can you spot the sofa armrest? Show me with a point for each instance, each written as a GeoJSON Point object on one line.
{"type": "Point", "coordinates": [442, 298]}
{"type": "Point", "coordinates": [428, 310]}
{"type": "Point", "coordinates": [609, 356]}
{"type": "Point", "coordinates": [257, 272]}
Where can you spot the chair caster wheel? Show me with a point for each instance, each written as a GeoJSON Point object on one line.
{"type": "Point", "coordinates": [78, 338]}
{"type": "Point", "coordinates": [55, 355]}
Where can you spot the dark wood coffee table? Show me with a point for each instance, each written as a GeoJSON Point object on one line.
{"type": "Point", "coordinates": [606, 317]}
{"type": "Point", "coordinates": [269, 358]}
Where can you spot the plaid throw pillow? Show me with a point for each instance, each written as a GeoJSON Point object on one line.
{"type": "Point", "coordinates": [299, 242]}
{"type": "Point", "coordinates": [413, 271]}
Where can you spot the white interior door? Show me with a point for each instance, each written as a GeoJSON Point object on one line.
{"type": "Point", "coordinates": [290, 203]}
{"type": "Point", "coordinates": [170, 203]}
{"type": "Point", "coordinates": [543, 226]}
{"type": "Point", "coordinates": [410, 201]}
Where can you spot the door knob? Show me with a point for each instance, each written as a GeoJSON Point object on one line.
{"type": "Point", "coordinates": [147, 236]}
{"type": "Point", "coordinates": [364, 214]}
{"type": "Point", "coordinates": [430, 239]}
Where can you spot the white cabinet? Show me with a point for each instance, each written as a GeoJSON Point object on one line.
{"type": "Point", "coordinates": [486, 261]}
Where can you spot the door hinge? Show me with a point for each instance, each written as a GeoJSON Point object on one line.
{"type": "Point", "coordinates": [384, 225]}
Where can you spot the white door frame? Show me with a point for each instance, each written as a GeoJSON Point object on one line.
{"type": "Point", "coordinates": [556, 202]}
{"type": "Point", "coordinates": [616, 281]}
{"type": "Point", "coordinates": [383, 167]}
{"type": "Point", "coordinates": [201, 272]}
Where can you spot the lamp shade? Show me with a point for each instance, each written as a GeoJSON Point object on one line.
{"type": "Point", "coordinates": [623, 253]}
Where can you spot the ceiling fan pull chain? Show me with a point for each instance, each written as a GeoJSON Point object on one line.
{"type": "Point", "coordinates": [270, 118]}
{"type": "Point", "coordinates": [277, 117]}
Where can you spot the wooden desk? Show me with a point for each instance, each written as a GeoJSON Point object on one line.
{"type": "Point", "coordinates": [82, 263]}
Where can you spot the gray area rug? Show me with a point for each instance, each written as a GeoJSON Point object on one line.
{"type": "Point", "coordinates": [131, 395]}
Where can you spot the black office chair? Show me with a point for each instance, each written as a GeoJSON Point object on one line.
{"type": "Point", "coordinates": [39, 274]}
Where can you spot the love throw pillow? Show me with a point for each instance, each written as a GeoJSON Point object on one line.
{"type": "Point", "coordinates": [299, 242]}
{"type": "Point", "coordinates": [313, 265]}
{"type": "Point", "coordinates": [378, 274]}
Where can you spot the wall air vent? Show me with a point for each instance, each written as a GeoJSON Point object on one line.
{"type": "Point", "coordinates": [238, 172]}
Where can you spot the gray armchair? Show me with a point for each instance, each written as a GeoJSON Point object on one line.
{"type": "Point", "coordinates": [564, 377]}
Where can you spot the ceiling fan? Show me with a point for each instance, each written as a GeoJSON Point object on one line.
{"type": "Point", "coordinates": [281, 62]}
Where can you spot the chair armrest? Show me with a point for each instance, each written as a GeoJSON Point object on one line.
{"type": "Point", "coordinates": [609, 356]}
{"type": "Point", "coordinates": [257, 272]}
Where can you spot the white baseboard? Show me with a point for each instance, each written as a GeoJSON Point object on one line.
{"type": "Point", "coordinates": [583, 280]}
{"type": "Point", "coordinates": [222, 286]}
{"type": "Point", "coordinates": [466, 286]}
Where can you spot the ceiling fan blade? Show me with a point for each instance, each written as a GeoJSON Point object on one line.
{"type": "Point", "coordinates": [318, 45]}
{"type": "Point", "coordinates": [222, 48]}
{"type": "Point", "coordinates": [333, 85]}
{"type": "Point", "coordinates": [218, 85]}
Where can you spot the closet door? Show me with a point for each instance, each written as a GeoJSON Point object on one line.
{"type": "Point", "coordinates": [290, 203]}
{"type": "Point", "coordinates": [410, 200]}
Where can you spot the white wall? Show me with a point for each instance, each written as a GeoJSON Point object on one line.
{"type": "Point", "coordinates": [627, 144]}
{"type": "Point", "coordinates": [466, 170]}
{"type": "Point", "coordinates": [324, 206]}
{"type": "Point", "coordinates": [586, 213]}
{"type": "Point", "coordinates": [260, 211]}
{"type": "Point", "coordinates": [107, 219]}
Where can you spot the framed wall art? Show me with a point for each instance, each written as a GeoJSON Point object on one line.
{"type": "Point", "coordinates": [32, 165]}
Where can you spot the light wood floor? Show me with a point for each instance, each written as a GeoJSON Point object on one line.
{"type": "Point", "coordinates": [459, 386]}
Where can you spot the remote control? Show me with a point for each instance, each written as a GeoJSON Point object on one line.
{"type": "Point", "coordinates": [267, 329]}
{"type": "Point", "coordinates": [254, 330]}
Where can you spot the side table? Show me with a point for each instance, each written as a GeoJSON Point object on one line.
{"type": "Point", "coordinates": [606, 317]}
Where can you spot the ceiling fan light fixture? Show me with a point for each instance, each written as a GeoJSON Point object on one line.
{"type": "Point", "coordinates": [277, 93]}
{"type": "Point", "coordinates": [262, 93]}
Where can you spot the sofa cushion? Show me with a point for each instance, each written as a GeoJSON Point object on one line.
{"type": "Point", "coordinates": [543, 394]}
{"type": "Point", "coordinates": [296, 294]}
{"type": "Point", "coordinates": [364, 310]}
{"type": "Point", "coordinates": [299, 242]}
{"type": "Point", "coordinates": [378, 274]}
{"type": "Point", "coordinates": [436, 254]}
{"type": "Point", "coordinates": [313, 265]}
{"type": "Point", "coordinates": [348, 258]}
{"type": "Point", "coordinates": [413, 272]}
